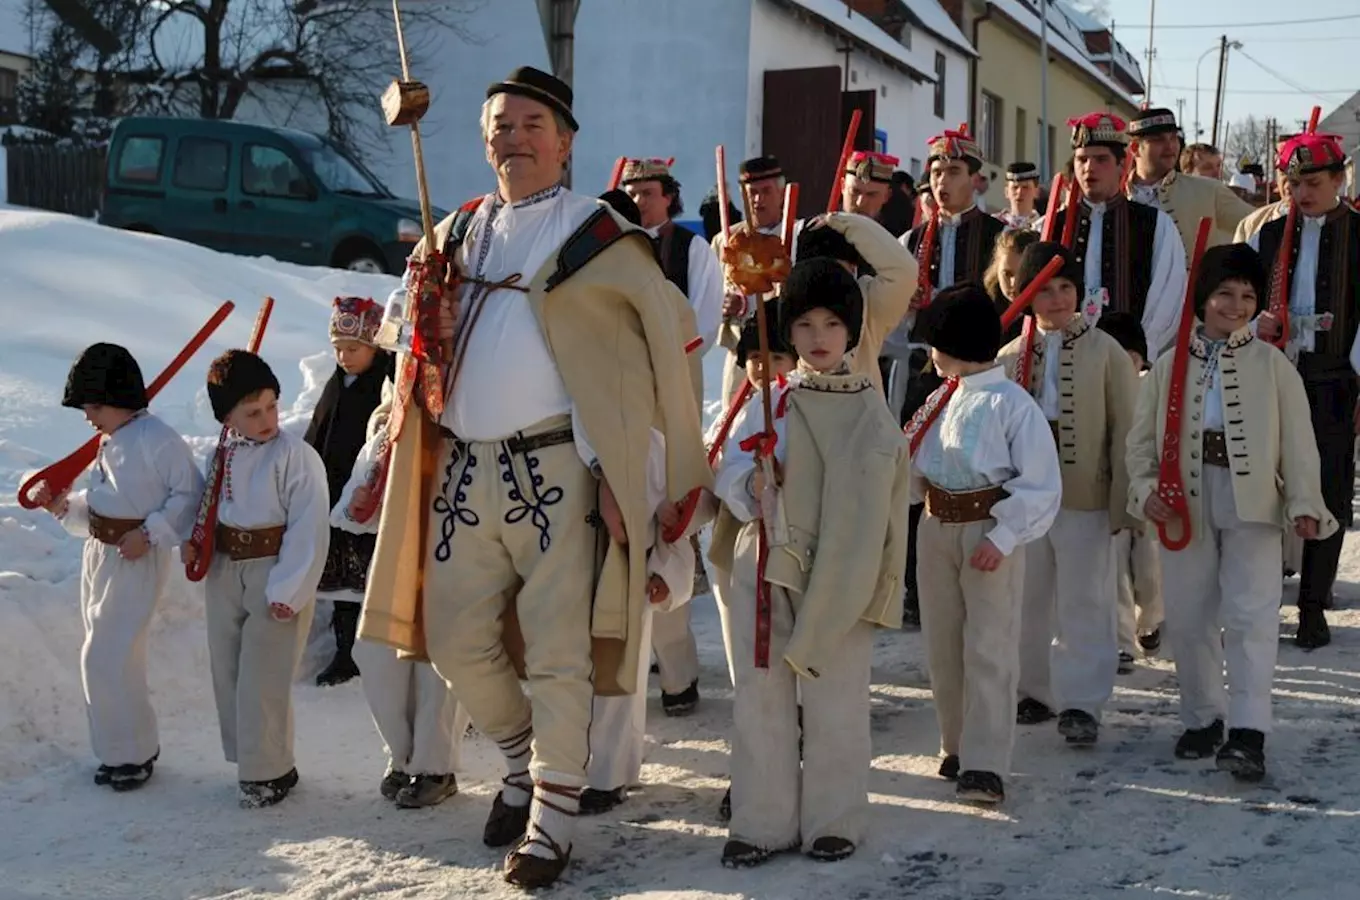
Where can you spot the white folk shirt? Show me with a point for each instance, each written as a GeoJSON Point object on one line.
{"type": "Point", "coordinates": [705, 289]}
{"type": "Point", "coordinates": [1303, 285]}
{"type": "Point", "coordinates": [144, 471]}
{"type": "Point", "coordinates": [1048, 389]}
{"type": "Point", "coordinates": [733, 484]}
{"type": "Point", "coordinates": [991, 434]}
{"type": "Point", "coordinates": [1166, 289]}
{"type": "Point", "coordinates": [949, 245]}
{"type": "Point", "coordinates": [281, 482]}
{"type": "Point", "coordinates": [1147, 194]}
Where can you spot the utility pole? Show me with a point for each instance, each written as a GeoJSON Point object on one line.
{"type": "Point", "coordinates": [1272, 136]}
{"type": "Point", "coordinates": [558, 18]}
{"type": "Point", "coordinates": [1147, 82]}
{"type": "Point", "coordinates": [1044, 150]}
{"type": "Point", "coordinates": [1218, 95]}
{"type": "Point", "coordinates": [1180, 111]}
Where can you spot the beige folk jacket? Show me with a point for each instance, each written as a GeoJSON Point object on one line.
{"type": "Point", "coordinates": [1189, 198]}
{"type": "Point", "coordinates": [1276, 474]}
{"type": "Point", "coordinates": [1097, 391]}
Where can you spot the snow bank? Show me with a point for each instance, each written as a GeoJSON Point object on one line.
{"type": "Point", "coordinates": [66, 283]}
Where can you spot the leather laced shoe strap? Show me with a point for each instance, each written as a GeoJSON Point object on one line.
{"type": "Point", "coordinates": [535, 834]}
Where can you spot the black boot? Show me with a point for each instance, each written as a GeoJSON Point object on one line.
{"type": "Point", "coordinates": [594, 803]}
{"type": "Point", "coordinates": [1244, 754]}
{"type": "Point", "coordinates": [258, 794]}
{"type": "Point", "coordinates": [427, 790]}
{"type": "Point", "coordinates": [683, 703]}
{"type": "Point", "coordinates": [1200, 743]}
{"type": "Point", "coordinates": [345, 623]}
{"type": "Point", "coordinates": [1031, 712]}
{"type": "Point", "coordinates": [1313, 630]}
{"type": "Point", "coordinates": [1080, 728]}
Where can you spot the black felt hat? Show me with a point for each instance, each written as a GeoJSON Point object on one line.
{"type": "Point", "coordinates": [963, 322]}
{"type": "Point", "coordinates": [759, 169]}
{"type": "Point", "coordinates": [107, 375]}
{"type": "Point", "coordinates": [1156, 120]}
{"type": "Point", "coordinates": [748, 344]}
{"type": "Point", "coordinates": [823, 240]}
{"type": "Point", "coordinates": [234, 376]}
{"type": "Point", "coordinates": [1037, 255]}
{"type": "Point", "coordinates": [1022, 171]}
{"type": "Point", "coordinates": [822, 283]}
{"type": "Point", "coordinates": [1229, 262]}
{"type": "Point", "coordinates": [526, 81]}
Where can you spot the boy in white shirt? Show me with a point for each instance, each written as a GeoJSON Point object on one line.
{"type": "Point", "coordinates": [273, 534]}
{"type": "Point", "coordinates": [139, 506]}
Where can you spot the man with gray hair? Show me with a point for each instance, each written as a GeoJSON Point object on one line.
{"type": "Point", "coordinates": [567, 356]}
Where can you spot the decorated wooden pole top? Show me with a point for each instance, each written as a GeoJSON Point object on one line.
{"type": "Point", "coordinates": [405, 102]}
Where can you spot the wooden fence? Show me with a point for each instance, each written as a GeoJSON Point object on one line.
{"type": "Point", "coordinates": [61, 179]}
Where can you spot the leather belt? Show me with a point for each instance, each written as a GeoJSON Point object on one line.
{"type": "Point", "coordinates": [108, 530]}
{"type": "Point", "coordinates": [524, 443]}
{"type": "Point", "coordinates": [962, 507]}
{"type": "Point", "coordinates": [1216, 449]}
{"type": "Point", "coordinates": [249, 543]}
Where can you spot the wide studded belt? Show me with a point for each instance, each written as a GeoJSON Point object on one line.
{"type": "Point", "coordinates": [1216, 449]}
{"type": "Point", "coordinates": [249, 543]}
{"type": "Point", "coordinates": [959, 508]}
{"type": "Point", "coordinates": [108, 530]}
{"type": "Point", "coordinates": [527, 443]}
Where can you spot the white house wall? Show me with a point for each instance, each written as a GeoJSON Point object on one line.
{"type": "Point", "coordinates": [779, 40]}
{"type": "Point", "coordinates": [957, 89]}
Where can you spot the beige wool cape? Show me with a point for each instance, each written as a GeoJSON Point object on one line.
{"type": "Point", "coordinates": [616, 330]}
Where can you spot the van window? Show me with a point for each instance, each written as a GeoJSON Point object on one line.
{"type": "Point", "coordinates": [140, 159]}
{"type": "Point", "coordinates": [201, 164]}
{"type": "Point", "coordinates": [269, 172]}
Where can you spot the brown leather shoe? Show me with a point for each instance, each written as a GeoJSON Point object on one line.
{"type": "Point", "coordinates": [531, 872]}
{"type": "Point", "coordinates": [506, 824]}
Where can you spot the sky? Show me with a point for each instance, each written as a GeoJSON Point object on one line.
{"type": "Point", "coordinates": [1311, 63]}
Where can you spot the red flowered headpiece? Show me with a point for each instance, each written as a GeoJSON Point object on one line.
{"type": "Point", "coordinates": [955, 145]}
{"type": "Point", "coordinates": [355, 319]}
{"type": "Point", "coordinates": [1098, 129]}
{"type": "Point", "coordinates": [869, 166]}
{"type": "Point", "coordinates": [1306, 153]}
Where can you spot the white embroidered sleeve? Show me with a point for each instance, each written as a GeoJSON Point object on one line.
{"type": "Point", "coordinates": [1036, 489]}
{"type": "Point", "coordinates": [170, 525]}
{"type": "Point", "coordinates": [307, 531]}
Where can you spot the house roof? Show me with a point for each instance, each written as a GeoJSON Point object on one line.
{"type": "Point", "coordinates": [833, 13]}
{"type": "Point", "coordinates": [930, 15]}
{"type": "Point", "coordinates": [1065, 38]}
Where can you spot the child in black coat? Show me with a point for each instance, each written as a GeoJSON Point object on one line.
{"type": "Point", "coordinates": [337, 434]}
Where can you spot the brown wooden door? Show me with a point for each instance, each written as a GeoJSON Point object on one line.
{"type": "Point", "coordinates": [866, 103]}
{"type": "Point", "coordinates": [803, 129]}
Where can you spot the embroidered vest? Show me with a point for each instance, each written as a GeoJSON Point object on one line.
{"type": "Point", "coordinates": [672, 251]}
{"type": "Point", "coordinates": [1337, 280]}
{"type": "Point", "coordinates": [1127, 236]}
{"type": "Point", "coordinates": [974, 240]}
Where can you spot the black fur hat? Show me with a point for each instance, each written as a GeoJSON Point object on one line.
{"type": "Point", "coordinates": [1037, 255]}
{"type": "Point", "coordinates": [822, 283]}
{"type": "Point", "coordinates": [1229, 262]}
{"type": "Point", "coordinates": [963, 322]}
{"type": "Point", "coordinates": [234, 376]}
{"type": "Point", "coordinates": [105, 374]}
{"type": "Point", "coordinates": [749, 343]}
{"type": "Point", "coordinates": [623, 205]}
{"type": "Point", "coordinates": [828, 242]}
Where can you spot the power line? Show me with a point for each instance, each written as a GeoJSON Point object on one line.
{"type": "Point", "coordinates": [1236, 25]}
{"type": "Point", "coordinates": [1281, 78]}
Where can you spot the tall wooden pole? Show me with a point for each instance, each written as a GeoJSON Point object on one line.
{"type": "Point", "coordinates": [1218, 95]}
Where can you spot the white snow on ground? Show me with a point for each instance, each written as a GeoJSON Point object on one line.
{"type": "Point", "coordinates": [1121, 820]}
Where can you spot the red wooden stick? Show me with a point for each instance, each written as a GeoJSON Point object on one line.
{"type": "Point", "coordinates": [790, 216]}
{"type": "Point", "coordinates": [1170, 485]}
{"type": "Point", "coordinates": [846, 150]}
{"type": "Point", "coordinates": [617, 174]}
{"type": "Point", "coordinates": [62, 474]}
{"type": "Point", "coordinates": [724, 202]}
{"type": "Point", "coordinates": [1051, 211]}
{"type": "Point", "coordinates": [1070, 222]}
{"type": "Point", "coordinates": [1022, 302]}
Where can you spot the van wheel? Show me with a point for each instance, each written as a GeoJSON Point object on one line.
{"type": "Point", "coordinates": [359, 257]}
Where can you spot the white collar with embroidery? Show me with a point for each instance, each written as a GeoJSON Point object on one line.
{"type": "Point", "coordinates": [947, 220]}
{"type": "Point", "coordinates": [1203, 348]}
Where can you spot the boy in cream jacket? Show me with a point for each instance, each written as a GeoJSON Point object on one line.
{"type": "Point", "coordinates": [829, 488]}
{"type": "Point", "coordinates": [1251, 470]}
{"type": "Point", "coordinates": [1086, 387]}
{"type": "Point", "coordinates": [984, 464]}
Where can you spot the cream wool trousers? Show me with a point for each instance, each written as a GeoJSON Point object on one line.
{"type": "Point", "coordinates": [1223, 600]}
{"type": "Point", "coordinates": [505, 525]}
{"type": "Point", "coordinates": [254, 660]}
{"type": "Point", "coordinates": [1069, 650]}
{"type": "Point", "coordinates": [971, 621]}
{"type": "Point", "coordinates": [677, 653]}
{"type": "Point", "coordinates": [1138, 578]}
{"type": "Point", "coordinates": [118, 597]}
{"type": "Point", "coordinates": [618, 727]}
{"type": "Point", "coordinates": [419, 719]}
{"type": "Point", "coordinates": [776, 804]}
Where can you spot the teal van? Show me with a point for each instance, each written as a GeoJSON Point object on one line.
{"type": "Point", "coordinates": [256, 191]}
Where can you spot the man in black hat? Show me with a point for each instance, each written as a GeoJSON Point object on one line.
{"type": "Point", "coordinates": [1184, 196]}
{"type": "Point", "coordinates": [1113, 237]}
{"type": "Point", "coordinates": [568, 351]}
{"type": "Point", "coordinates": [1022, 190]}
{"type": "Point", "coordinates": [763, 178]}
